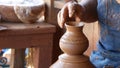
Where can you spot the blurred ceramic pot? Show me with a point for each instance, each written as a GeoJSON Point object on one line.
{"type": "Point", "coordinates": [26, 13]}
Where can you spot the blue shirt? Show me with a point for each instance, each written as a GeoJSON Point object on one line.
{"type": "Point", "coordinates": [109, 43]}
{"type": "Point", "coordinates": [109, 20]}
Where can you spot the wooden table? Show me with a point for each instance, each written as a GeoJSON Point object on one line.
{"type": "Point", "coordinates": [20, 36]}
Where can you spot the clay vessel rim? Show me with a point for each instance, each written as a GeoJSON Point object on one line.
{"type": "Point", "coordinates": [74, 24]}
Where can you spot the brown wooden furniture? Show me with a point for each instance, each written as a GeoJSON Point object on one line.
{"type": "Point", "coordinates": [40, 36]}
{"type": "Point", "coordinates": [21, 36]}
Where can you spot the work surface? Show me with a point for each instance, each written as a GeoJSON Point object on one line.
{"type": "Point", "coordinates": [19, 35]}
{"type": "Point", "coordinates": [21, 28]}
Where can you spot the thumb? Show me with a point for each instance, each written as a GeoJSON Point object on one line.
{"type": "Point", "coordinates": [60, 20]}
{"type": "Point", "coordinates": [77, 18]}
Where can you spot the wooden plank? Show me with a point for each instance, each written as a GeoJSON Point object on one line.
{"type": "Point", "coordinates": [24, 41]}
{"type": "Point", "coordinates": [49, 13]}
{"type": "Point", "coordinates": [42, 57]}
{"type": "Point", "coordinates": [59, 4]}
{"type": "Point", "coordinates": [18, 58]}
{"type": "Point", "coordinates": [20, 35]}
{"type": "Point", "coordinates": [20, 28]}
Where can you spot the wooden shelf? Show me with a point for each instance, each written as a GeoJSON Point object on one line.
{"type": "Point", "coordinates": [19, 35]}
{"type": "Point", "coordinates": [21, 28]}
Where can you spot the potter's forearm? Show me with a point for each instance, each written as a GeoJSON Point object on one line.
{"type": "Point", "coordinates": [90, 14]}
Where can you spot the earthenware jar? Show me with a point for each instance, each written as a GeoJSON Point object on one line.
{"type": "Point", "coordinates": [73, 43]}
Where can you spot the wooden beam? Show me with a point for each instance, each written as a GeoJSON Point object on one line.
{"type": "Point", "coordinates": [59, 4]}
{"type": "Point", "coordinates": [18, 58]}
{"type": "Point", "coordinates": [49, 13]}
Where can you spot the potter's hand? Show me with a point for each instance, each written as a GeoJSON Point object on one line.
{"type": "Point", "coordinates": [69, 12]}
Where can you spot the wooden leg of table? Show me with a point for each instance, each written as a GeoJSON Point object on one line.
{"type": "Point", "coordinates": [18, 58]}
{"type": "Point", "coordinates": [42, 57]}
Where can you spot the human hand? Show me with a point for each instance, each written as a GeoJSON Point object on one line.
{"type": "Point", "coordinates": [70, 12]}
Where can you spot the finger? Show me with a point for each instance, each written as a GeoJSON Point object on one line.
{"type": "Point", "coordinates": [79, 12]}
{"type": "Point", "coordinates": [64, 16]}
{"type": "Point", "coordinates": [77, 18]}
{"type": "Point", "coordinates": [71, 8]}
{"type": "Point", "coordinates": [59, 19]}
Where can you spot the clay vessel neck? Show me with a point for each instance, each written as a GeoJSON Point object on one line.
{"type": "Point", "coordinates": [74, 27]}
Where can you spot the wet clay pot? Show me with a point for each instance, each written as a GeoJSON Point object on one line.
{"type": "Point", "coordinates": [73, 43]}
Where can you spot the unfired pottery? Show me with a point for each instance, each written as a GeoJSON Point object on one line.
{"type": "Point", "coordinates": [73, 43]}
